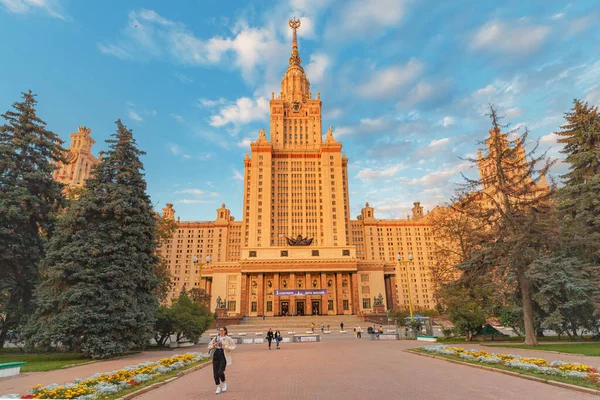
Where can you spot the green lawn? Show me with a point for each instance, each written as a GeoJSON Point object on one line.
{"type": "Point", "coordinates": [37, 362]}
{"type": "Point", "coordinates": [587, 349]}
{"type": "Point", "coordinates": [513, 339]}
{"type": "Point", "coordinates": [569, 380]}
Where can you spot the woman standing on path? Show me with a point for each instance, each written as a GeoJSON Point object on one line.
{"type": "Point", "coordinates": [278, 338]}
{"type": "Point", "coordinates": [270, 337]}
{"type": "Point", "coordinates": [222, 346]}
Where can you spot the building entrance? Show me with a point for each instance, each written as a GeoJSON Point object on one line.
{"type": "Point", "coordinates": [285, 308]}
{"type": "Point", "coordinates": [316, 307]}
{"type": "Point", "coordinates": [299, 308]}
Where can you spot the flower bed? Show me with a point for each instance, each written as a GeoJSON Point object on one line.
{"type": "Point", "coordinates": [536, 365]}
{"type": "Point", "coordinates": [109, 383]}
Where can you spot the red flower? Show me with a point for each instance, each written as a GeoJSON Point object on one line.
{"type": "Point", "coordinates": [27, 396]}
{"type": "Point", "coordinates": [133, 383]}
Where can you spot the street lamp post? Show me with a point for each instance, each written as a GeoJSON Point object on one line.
{"type": "Point", "coordinates": [410, 309]}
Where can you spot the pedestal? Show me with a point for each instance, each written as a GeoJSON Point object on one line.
{"type": "Point", "coordinates": [221, 312]}
{"type": "Point", "coordinates": [379, 309]}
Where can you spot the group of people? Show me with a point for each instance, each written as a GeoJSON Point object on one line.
{"type": "Point", "coordinates": [276, 336]}
{"type": "Point", "coordinates": [312, 327]}
{"type": "Point", "coordinates": [374, 332]}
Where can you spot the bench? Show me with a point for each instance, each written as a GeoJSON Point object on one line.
{"type": "Point", "coordinates": [10, 369]}
{"type": "Point", "coordinates": [427, 338]}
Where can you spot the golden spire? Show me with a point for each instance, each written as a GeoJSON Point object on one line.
{"type": "Point", "coordinates": [295, 57]}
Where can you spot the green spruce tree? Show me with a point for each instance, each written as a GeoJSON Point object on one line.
{"type": "Point", "coordinates": [97, 294]}
{"type": "Point", "coordinates": [29, 202]}
{"type": "Point", "coordinates": [579, 199]}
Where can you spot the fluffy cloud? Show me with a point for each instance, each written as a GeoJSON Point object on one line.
{"type": "Point", "coordinates": [203, 102]}
{"type": "Point", "coordinates": [369, 174]}
{"type": "Point", "coordinates": [135, 116]}
{"type": "Point", "coordinates": [245, 142]}
{"type": "Point", "coordinates": [514, 38]}
{"type": "Point", "coordinates": [173, 148]}
{"type": "Point", "coordinates": [355, 19]}
{"type": "Point", "coordinates": [243, 111]}
{"type": "Point", "coordinates": [198, 192]}
{"type": "Point", "coordinates": [386, 81]}
{"type": "Point", "coordinates": [447, 121]}
{"type": "Point", "coordinates": [50, 7]}
{"type": "Point", "coordinates": [149, 35]}
{"type": "Point", "coordinates": [316, 67]}
{"type": "Point", "coordinates": [237, 175]}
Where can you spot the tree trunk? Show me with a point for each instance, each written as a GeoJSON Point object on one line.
{"type": "Point", "coordinates": [526, 296]}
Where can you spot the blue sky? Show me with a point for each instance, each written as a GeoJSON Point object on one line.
{"type": "Point", "coordinates": [404, 83]}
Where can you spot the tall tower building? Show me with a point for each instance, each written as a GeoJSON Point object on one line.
{"type": "Point", "coordinates": [300, 182]}
{"type": "Point", "coordinates": [80, 159]}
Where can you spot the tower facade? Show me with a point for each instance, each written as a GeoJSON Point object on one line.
{"type": "Point", "coordinates": [80, 159]}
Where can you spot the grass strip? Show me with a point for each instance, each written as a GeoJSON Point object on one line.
{"type": "Point", "coordinates": [586, 349]}
{"type": "Point", "coordinates": [555, 378]}
{"type": "Point", "coordinates": [158, 379]}
{"type": "Point", "coordinates": [37, 362]}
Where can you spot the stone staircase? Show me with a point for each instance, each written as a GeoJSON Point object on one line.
{"type": "Point", "coordinates": [299, 324]}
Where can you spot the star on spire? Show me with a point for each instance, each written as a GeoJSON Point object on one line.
{"type": "Point", "coordinates": [295, 57]}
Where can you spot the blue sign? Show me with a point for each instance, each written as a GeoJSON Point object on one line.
{"type": "Point", "coordinates": [300, 292]}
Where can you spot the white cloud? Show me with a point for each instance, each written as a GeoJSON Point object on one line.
{"type": "Point", "coordinates": [558, 16]}
{"type": "Point", "coordinates": [245, 142]}
{"type": "Point", "coordinates": [203, 102]}
{"type": "Point", "coordinates": [182, 77]}
{"type": "Point", "coordinates": [513, 112]}
{"type": "Point", "coordinates": [332, 114]}
{"type": "Point", "coordinates": [447, 121]}
{"type": "Point", "coordinates": [244, 111]}
{"type": "Point", "coordinates": [420, 93]}
{"type": "Point", "coordinates": [114, 50]}
{"type": "Point", "coordinates": [592, 95]}
{"type": "Point", "coordinates": [550, 139]}
{"type": "Point", "coordinates": [386, 81]}
{"type": "Point", "coordinates": [134, 116]}
{"type": "Point", "coordinates": [173, 148]}
{"type": "Point", "coordinates": [237, 175]}
{"type": "Point", "coordinates": [441, 177]}
{"type": "Point", "coordinates": [195, 201]}
{"type": "Point", "coordinates": [370, 174]}
{"type": "Point", "coordinates": [177, 117]}
{"type": "Point", "coordinates": [355, 18]}
{"type": "Point", "coordinates": [439, 142]}
{"type": "Point", "coordinates": [510, 38]}
{"type": "Point", "coordinates": [51, 7]}
{"type": "Point", "coordinates": [316, 68]}
{"type": "Point", "coordinates": [486, 91]}
{"type": "Point", "coordinates": [198, 192]}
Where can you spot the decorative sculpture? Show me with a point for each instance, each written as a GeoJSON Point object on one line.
{"type": "Point", "coordinates": [378, 301]}
{"type": "Point", "coordinates": [299, 241]}
{"type": "Point", "coordinates": [219, 302]}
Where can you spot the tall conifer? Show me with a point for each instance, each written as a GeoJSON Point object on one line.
{"type": "Point", "coordinates": [579, 199]}
{"type": "Point", "coordinates": [29, 202]}
{"type": "Point", "coordinates": [98, 281]}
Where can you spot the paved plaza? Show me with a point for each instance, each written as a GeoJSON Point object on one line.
{"type": "Point", "coordinates": [337, 367]}
{"type": "Point", "coordinates": [354, 369]}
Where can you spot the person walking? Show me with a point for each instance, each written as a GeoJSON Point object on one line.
{"type": "Point", "coordinates": [322, 327]}
{"type": "Point", "coordinates": [341, 326]}
{"type": "Point", "coordinates": [312, 327]}
{"type": "Point", "coordinates": [278, 338]}
{"type": "Point", "coordinates": [270, 337]}
{"type": "Point", "coordinates": [358, 332]}
{"type": "Point", "coordinates": [221, 346]}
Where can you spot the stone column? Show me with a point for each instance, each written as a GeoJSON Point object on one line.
{"type": "Point", "coordinates": [307, 286]}
{"type": "Point", "coordinates": [291, 285]}
{"type": "Point", "coordinates": [261, 294]}
{"type": "Point", "coordinates": [244, 295]}
{"type": "Point", "coordinates": [354, 301]}
{"type": "Point", "coordinates": [339, 293]}
{"type": "Point", "coordinates": [325, 297]}
{"type": "Point", "coordinates": [276, 286]}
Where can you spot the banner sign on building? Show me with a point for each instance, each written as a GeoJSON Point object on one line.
{"type": "Point", "coordinates": [299, 292]}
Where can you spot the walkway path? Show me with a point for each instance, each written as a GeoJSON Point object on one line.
{"type": "Point", "coordinates": [21, 383]}
{"type": "Point", "coordinates": [359, 369]}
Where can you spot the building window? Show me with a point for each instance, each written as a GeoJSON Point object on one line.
{"type": "Point", "coordinates": [330, 305]}
{"type": "Point", "coordinates": [345, 253]}
{"type": "Point", "coordinates": [269, 306]}
{"type": "Point", "coordinates": [254, 306]}
{"type": "Point", "coordinates": [252, 254]}
{"type": "Point", "coordinates": [345, 283]}
{"type": "Point", "coordinates": [366, 303]}
{"type": "Point", "coordinates": [364, 278]}
{"type": "Point", "coordinates": [315, 253]}
{"type": "Point", "coordinates": [366, 290]}
{"type": "Point", "coordinates": [346, 305]}
{"type": "Point", "coordinates": [231, 305]}
{"type": "Point", "coordinates": [284, 253]}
